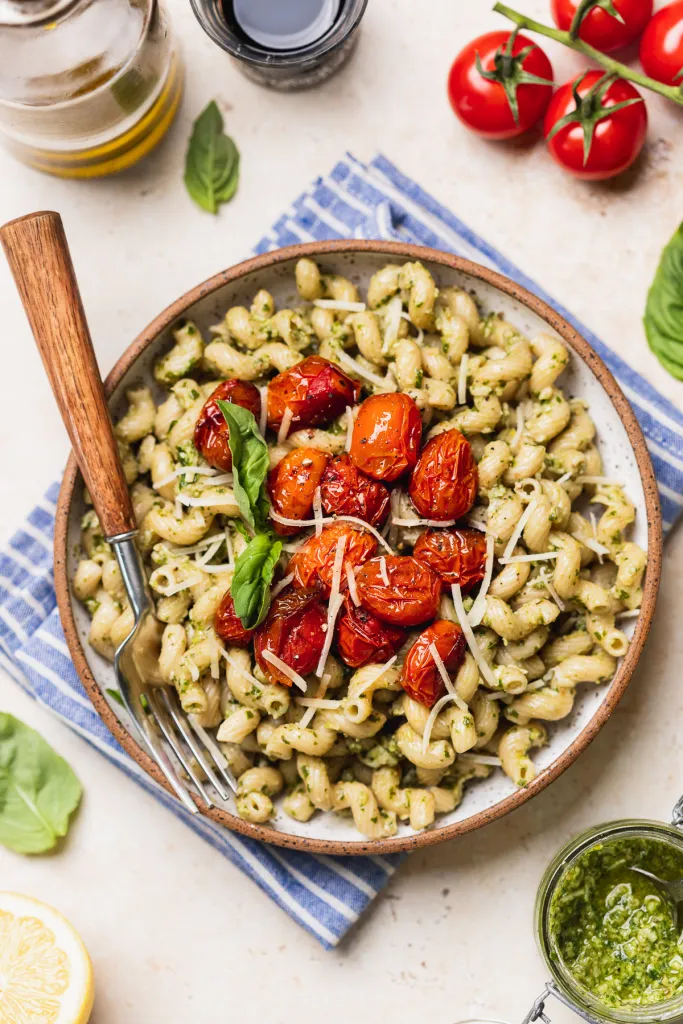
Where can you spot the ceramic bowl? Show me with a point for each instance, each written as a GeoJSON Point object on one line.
{"type": "Point", "coordinates": [624, 455]}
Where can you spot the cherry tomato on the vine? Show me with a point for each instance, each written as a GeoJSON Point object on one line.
{"type": "Point", "coordinates": [421, 678]}
{"type": "Point", "coordinates": [500, 84]}
{"type": "Point", "coordinates": [661, 47]}
{"type": "Point", "coordinates": [601, 29]}
{"type": "Point", "coordinates": [595, 126]}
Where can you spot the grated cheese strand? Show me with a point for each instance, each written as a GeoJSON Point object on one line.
{"type": "Point", "coordinates": [514, 443]}
{"type": "Point", "coordinates": [471, 639]}
{"type": "Point", "coordinates": [209, 552]}
{"type": "Point", "coordinates": [392, 321]}
{"type": "Point", "coordinates": [462, 380]}
{"type": "Point", "coordinates": [286, 670]}
{"type": "Point", "coordinates": [184, 471]}
{"type": "Point", "coordinates": [281, 585]}
{"type": "Point", "coordinates": [351, 580]}
{"type": "Point", "coordinates": [433, 714]}
{"type": "Point", "coordinates": [177, 587]}
{"type": "Point", "coordinates": [381, 669]}
{"type": "Point", "coordinates": [433, 650]}
{"type": "Point", "coordinates": [423, 522]}
{"type": "Point", "coordinates": [287, 417]}
{"type": "Point", "coordinates": [336, 601]}
{"type": "Point", "coordinates": [263, 418]}
{"type": "Point", "coordinates": [517, 532]}
{"type": "Point", "coordinates": [342, 305]}
{"type": "Point", "coordinates": [479, 606]}
{"type": "Point", "coordinates": [238, 668]}
{"type": "Point", "coordinates": [318, 511]}
{"type": "Point", "coordinates": [383, 571]}
{"type": "Point", "coordinates": [373, 378]}
{"type": "Point", "coordinates": [229, 547]}
{"type": "Point", "coordinates": [318, 703]}
{"type": "Point", "coordinates": [544, 556]}
{"type": "Point", "coordinates": [489, 759]}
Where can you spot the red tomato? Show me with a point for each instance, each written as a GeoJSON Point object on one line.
{"type": "Point", "coordinates": [313, 564]}
{"type": "Point", "coordinates": [618, 138]}
{"type": "Point", "coordinates": [457, 556]}
{"type": "Point", "coordinates": [444, 482]}
{"type": "Point", "coordinates": [229, 627]}
{"type": "Point", "coordinates": [410, 598]}
{"type": "Point", "coordinates": [386, 436]}
{"type": "Point", "coordinates": [315, 390]}
{"type": "Point", "coordinates": [293, 631]}
{"type": "Point", "coordinates": [421, 678]}
{"type": "Point", "coordinates": [211, 432]}
{"type": "Point", "coordinates": [483, 103]}
{"type": "Point", "coordinates": [348, 492]}
{"type": "Point", "coordinates": [661, 48]}
{"type": "Point", "coordinates": [363, 638]}
{"type": "Point", "coordinates": [292, 485]}
{"type": "Point", "coordinates": [603, 30]}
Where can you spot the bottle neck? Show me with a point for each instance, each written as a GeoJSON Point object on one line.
{"type": "Point", "coordinates": [24, 13]}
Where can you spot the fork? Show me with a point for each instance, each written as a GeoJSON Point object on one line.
{"type": "Point", "coordinates": [38, 254]}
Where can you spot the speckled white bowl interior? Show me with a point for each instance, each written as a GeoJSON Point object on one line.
{"type": "Point", "coordinates": [578, 381]}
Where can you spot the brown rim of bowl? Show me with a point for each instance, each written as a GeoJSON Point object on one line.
{"type": "Point", "coordinates": [654, 531]}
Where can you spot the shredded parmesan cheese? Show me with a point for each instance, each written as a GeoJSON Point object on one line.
{"type": "Point", "coordinates": [564, 478]}
{"type": "Point", "coordinates": [514, 443]}
{"type": "Point", "coordinates": [495, 762]}
{"type": "Point", "coordinates": [332, 519]}
{"type": "Point", "coordinates": [423, 522]}
{"type": "Point", "coordinates": [392, 321]}
{"type": "Point", "coordinates": [462, 380]}
{"type": "Point", "coordinates": [287, 417]}
{"type": "Point", "coordinates": [175, 588]}
{"type": "Point", "coordinates": [229, 547]}
{"type": "Point", "coordinates": [517, 532]}
{"type": "Point", "coordinates": [223, 567]}
{"type": "Point", "coordinates": [381, 669]}
{"type": "Point", "coordinates": [183, 471]}
{"type": "Point", "coordinates": [207, 502]}
{"type": "Point", "coordinates": [443, 672]}
{"type": "Point", "coordinates": [551, 590]}
{"type": "Point", "coordinates": [429, 724]}
{"type": "Point", "coordinates": [479, 606]}
{"type": "Point", "coordinates": [281, 585]}
{"type": "Point", "coordinates": [209, 552]}
{"type": "Point", "coordinates": [317, 703]}
{"type": "Point", "coordinates": [544, 556]}
{"type": "Point", "coordinates": [285, 669]}
{"type": "Point", "coordinates": [238, 668]}
{"type": "Point", "coordinates": [594, 545]}
{"type": "Point", "coordinates": [342, 305]}
{"type": "Point", "coordinates": [351, 580]}
{"type": "Point", "coordinates": [336, 601]}
{"type": "Point", "coordinates": [318, 511]}
{"type": "Point", "coordinates": [349, 427]}
{"type": "Point", "coordinates": [194, 671]}
{"type": "Point", "coordinates": [383, 571]}
{"type": "Point", "coordinates": [420, 333]}
{"type": "Point", "coordinates": [352, 364]}
{"type": "Point", "coordinates": [263, 418]}
{"type": "Point", "coordinates": [471, 639]}
{"type": "Point", "coordinates": [219, 481]}
{"type": "Point", "coordinates": [476, 524]}
{"type": "Point", "coordinates": [631, 613]}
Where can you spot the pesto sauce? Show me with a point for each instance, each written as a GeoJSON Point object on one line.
{"type": "Point", "coordinates": [613, 929]}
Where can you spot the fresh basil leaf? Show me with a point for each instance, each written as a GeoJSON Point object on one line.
{"type": "Point", "coordinates": [249, 463]}
{"type": "Point", "coordinates": [38, 790]}
{"type": "Point", "coordinates": [250, 589]}
{"type": "Point", "coordinates": [212, 161]}
{"type": "Point", "coordinates": [663, 318]}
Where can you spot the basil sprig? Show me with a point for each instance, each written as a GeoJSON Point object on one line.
{"type": "Point", "coordinates": [253, 575]}
{"type": "Point", "coordinates": [249, 464]}
{"type": "Point", "coordinates": [212, 161]}
{"type": "Point", "coordinates": [663, 318]}
{"type": "Point", "coordinates": [38, 790]}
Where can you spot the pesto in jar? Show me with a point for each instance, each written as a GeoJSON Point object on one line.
{"type": "Point", "coordinates": [613, 929]}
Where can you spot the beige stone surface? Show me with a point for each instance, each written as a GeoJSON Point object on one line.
{"type": "Point", "coordinates": [176, 933]}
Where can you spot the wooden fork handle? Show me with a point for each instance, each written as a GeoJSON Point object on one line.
{"type": "Point", "coordinates": [39, 258]}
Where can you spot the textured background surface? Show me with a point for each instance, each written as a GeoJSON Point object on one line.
{"type": "Point", "coordinates": [174, 931]}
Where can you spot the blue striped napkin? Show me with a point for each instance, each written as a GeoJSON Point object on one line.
{"type": "Point", "coordinates": [325, 895]}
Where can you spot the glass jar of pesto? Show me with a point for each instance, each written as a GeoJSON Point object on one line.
{"type": "Point", "coordinates": [609, 936]}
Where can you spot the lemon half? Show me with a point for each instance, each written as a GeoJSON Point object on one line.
{"type": "Point", "coordinates": [45, 972]}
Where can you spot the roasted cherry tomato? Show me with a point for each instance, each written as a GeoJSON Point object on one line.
{"type": "Point", "coordinates": [661, 48]}
{"type": "Point", "coordinates": [613, 141]}
{"type": "Point", "coordinates": [211, 433]}
{"type": "Point", "coordinates": [293, 632]}
{"type": "Point", "coordinates": [410, 598]}
{"type": "Point", "coordinates": [386, 436]}
{"type": "Point", "coordinates": [292, 485]}
{"type": "Point", "coordinates": [315, 390]}
{"type": "Point", "coordinates": [313, 564]}
{"type": "Point", "coordinates": [457, 556]}
{"type": "Point", "coordinates": [229, 627]}
{"type": "Point", "coordinates": [444, 482]}
{"type": "Point", "coordinates": [421, 678]}
{"type": "Point", "coordinates": [506, 99]}
{"type": "Point", "coordinates": [348, 492]}
{"type": "Point", "coordinates": [363, 638]}
{"type": "Point", "coordinates": [601, 29]}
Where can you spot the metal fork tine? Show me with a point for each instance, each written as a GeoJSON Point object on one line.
{"type": "Point", "coordinates": [176, 747]}
{"type": "Point", "coordinates": [216, 753]}
{"type": "Point", "coordinates": [181, 722]}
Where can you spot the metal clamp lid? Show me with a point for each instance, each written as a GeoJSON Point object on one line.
{"type": "Point", "coordinates": [537, 1011]}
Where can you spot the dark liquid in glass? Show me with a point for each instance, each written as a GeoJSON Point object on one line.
{"type": "Point", "coordinates": [282, 24]}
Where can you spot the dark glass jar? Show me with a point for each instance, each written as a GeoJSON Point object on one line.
{"type": "Point", "coordinates": [287, 69]}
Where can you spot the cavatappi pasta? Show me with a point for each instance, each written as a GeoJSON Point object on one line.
{"type": "Point", "coordinates": [547, 534]}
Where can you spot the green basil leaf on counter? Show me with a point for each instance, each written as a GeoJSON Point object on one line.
{"type": "Point", "coordinates": [664, 308]}
{"type": "Point", "coordinates": [249, 463]}
{"type": "Point", "coordinates": [250, 589]}
{"type": "Point", "coordinates": [38, 790]}
{"type": "Point", "coordinates": [212, 161]}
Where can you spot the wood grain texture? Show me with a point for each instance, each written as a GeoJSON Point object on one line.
{"type": "Point", "coordinates": [39, 258]}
